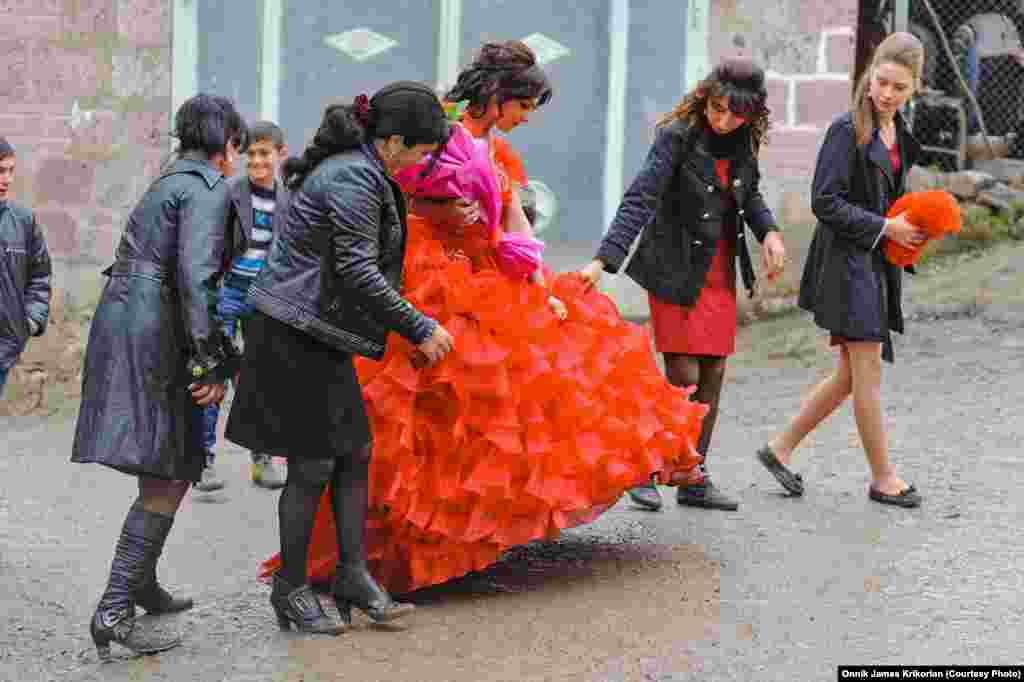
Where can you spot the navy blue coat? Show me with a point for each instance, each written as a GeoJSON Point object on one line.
{"type": "Point", "coordinates": [24, 280]}
{"type": "Point", "coordinates": [680, 205]}
{"type": "Point", "coordinates": [847, 283]}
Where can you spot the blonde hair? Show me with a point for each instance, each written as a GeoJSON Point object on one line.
{"type": "Point", "coordinates": [902, 49]}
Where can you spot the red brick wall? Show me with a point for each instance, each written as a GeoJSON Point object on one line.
{"type": "Point", "coordinates": [807, 47]}
{"type": "Point", "coordinates": [85, 99]}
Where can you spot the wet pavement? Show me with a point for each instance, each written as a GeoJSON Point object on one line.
{"type": "Point", "coordinates": [783, 589]}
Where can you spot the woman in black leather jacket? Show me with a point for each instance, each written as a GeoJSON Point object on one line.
{"type": "Point", "coordinates": [330, 289]}
{"type": "Point", "coordinates": [692, 200]}
{"type": "Point", "coordinates": [849, 286]}
{"type": "Point", "coordinates": [155, 353]}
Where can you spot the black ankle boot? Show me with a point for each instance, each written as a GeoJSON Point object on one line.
{"type": "Point", "coordinates": [354, 586]}
{"type": "Point", "coordinates": [114, 620]}
{"type": "Point", "coordinates": [156, 600]}
{"type": "Point", "coordinates": [151, 596]}
{"type": "Point", "coordinates": [301, 608]}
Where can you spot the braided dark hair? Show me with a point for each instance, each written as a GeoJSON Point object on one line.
{"type": "Point", "coordinates": [405, 108]}
{"type": "Point", "coordinates": [506, 71]}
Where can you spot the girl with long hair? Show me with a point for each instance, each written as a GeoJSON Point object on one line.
{"type": "Point", "coordinates": [692, 200]}
{"type": "Point", "coordinates": [849, 286]}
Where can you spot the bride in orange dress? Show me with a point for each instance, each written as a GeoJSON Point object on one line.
{"type": "Point", "coordinates": [549, 407]}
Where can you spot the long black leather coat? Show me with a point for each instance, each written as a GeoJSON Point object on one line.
{"type": "Point", "coordinates": [24, 280]}
{"type": "Point", "coordinates": [155, 332]}
{"type": "Point", "coordinates": [335, 269]}
{"type": "Point", "coordinates": [682, 208]}
{"type": "Point", "coordinates": [847, 283]}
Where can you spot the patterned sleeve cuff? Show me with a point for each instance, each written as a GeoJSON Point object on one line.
{"type": "Point", "coordinates": [217, 366]}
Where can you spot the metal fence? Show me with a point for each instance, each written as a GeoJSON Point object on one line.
{"type": "Point", "coordinates": [971, 106]}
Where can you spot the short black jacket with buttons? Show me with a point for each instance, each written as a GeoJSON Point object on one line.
{"type": "Point", "coordinates": [678, 198]}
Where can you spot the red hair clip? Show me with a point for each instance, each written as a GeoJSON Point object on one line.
{"type": "Point", "coordinates": [361, 107]}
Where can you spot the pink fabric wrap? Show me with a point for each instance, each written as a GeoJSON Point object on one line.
{"type": "Point", "coordinates": [465, 170]}
{"type": "Point", "coordinates": [519, 254]}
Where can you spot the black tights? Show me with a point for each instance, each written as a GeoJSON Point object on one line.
{"type": "Point", "coordinates": [707, 372]}
{"type": "Point", "coordinates": [300, 499]}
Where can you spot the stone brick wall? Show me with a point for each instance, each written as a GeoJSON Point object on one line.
{"type": "Point", "coordinates": [85, 98]}
{"type": "Point", "coordinates": [807, 48]}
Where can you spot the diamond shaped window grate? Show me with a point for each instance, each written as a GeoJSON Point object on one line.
{"type": "Point", "coordinates": [360, 44]}
{"type": "Point", "coordinates": [547, 49]}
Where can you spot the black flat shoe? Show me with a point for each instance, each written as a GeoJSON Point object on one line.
{"type": "Point", "coordinates": [908, 498]}
{"type": "Point", "coordinates": [646, 496]}
{"type": "Point", "coordinates": [706, 496]}
{"type": "Point", "coordinates": [792, 482]}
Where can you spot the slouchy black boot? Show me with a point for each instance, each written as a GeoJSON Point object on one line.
{"type": "Point", "coordinates": [151, 596]}
{"type": "Point", "coordinates": [114, 620]}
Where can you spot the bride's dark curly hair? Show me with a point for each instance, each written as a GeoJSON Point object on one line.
{"type": "Point", "coordinates": [506, 71]}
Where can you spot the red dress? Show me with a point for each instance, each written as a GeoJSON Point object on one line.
{"type": "Point", "coordinates": [708, 327]}
{"type": "Point", "coordinates": [529, 426]}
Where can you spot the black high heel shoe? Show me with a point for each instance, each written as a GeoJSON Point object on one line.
{"type": "Point", "coordinates": [299, 607]}
{"type": "Point", "coordinates": [118, 625]}
{"type": "Point", "coordinates": [354, 586]}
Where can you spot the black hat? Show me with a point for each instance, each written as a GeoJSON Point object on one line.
{"type": "Point", "coordinates": [410, 109]}
{"type": "Point", "coordinates": [742, 80]}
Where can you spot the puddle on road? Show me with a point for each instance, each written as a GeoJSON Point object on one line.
{"type": "Point", "coordinates": [576, 608]}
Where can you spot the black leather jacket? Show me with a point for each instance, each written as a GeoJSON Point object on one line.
{"type": "Point", "coordinates": [335, 269]}
{"type": "Point", "coordinates": [24, 280]}
{"type": "Point", "coordinates": [682, 208]}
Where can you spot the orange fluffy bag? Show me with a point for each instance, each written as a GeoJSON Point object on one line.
{"type": "Point", "coordinates": [934, 212]}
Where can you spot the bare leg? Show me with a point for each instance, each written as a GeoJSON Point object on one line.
{"type": "Point", "coordinates": [866, 369]}
{"type": "Point", "coordinates": [823, 401]}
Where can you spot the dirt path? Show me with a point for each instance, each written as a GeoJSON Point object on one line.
{"type": "Point", "coordinates": [784, 589]}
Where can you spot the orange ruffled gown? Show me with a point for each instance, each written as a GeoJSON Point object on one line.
{"type": "Point", "coordinates": [529, 426]}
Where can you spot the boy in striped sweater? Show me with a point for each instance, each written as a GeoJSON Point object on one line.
{"type": "Point", "coordinates": [255, 200]}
